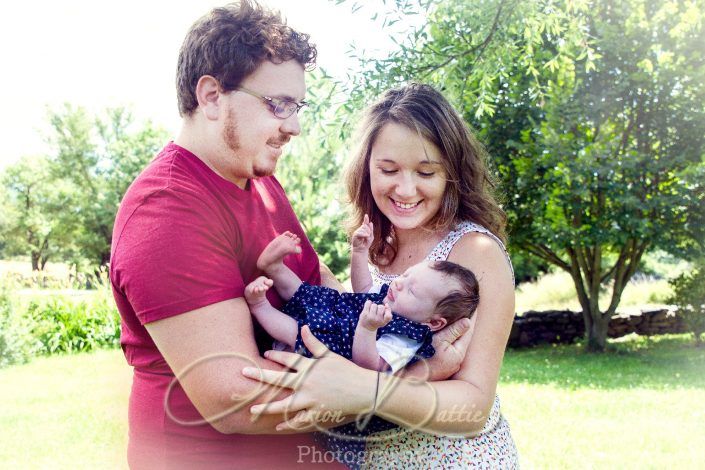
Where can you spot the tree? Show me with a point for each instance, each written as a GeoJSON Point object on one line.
{"type": "Point", "coordinates": [100, 157]}
{"type": "Point", "coordinates": [34, 218]}
{"type": "Point", "coordinates": [593, 114]}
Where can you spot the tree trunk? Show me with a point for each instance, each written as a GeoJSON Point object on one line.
{"type": "Point", "coordinates": [35, 261]}
{"type": "Point", "coordinates": [596, 329]}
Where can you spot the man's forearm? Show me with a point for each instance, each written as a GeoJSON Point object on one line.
{"type": "Point", "coordinates": [328, 279]}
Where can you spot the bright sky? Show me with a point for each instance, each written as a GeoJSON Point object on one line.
{"type": "Point", "coordinates": [99, 53]}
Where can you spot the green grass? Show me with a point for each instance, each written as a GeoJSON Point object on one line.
{"type": "Point", "coordinates": [65, 411]}
{"type": "Point", "coordinates": [638, 406]}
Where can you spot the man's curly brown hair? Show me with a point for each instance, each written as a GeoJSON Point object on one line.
{"type": "Point", "coordinates": [230, 42]}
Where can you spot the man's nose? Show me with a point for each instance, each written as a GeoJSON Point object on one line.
{"type": "Point", "coordinates": [291, 125]}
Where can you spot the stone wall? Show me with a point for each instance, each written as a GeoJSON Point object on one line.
{"type": "Point", "coordinates": [564, 326]}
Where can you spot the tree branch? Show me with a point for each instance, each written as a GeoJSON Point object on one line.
{"type": "Point", "coordinates": [480, 48]}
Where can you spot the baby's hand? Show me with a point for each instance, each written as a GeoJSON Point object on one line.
{"type": "Point", "coordinates": [362, 237]}
{"type": "Point", "coordinates": [374, 316]}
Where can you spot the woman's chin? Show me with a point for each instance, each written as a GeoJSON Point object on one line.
{"type": "Point", "coordinates": [406, 222]}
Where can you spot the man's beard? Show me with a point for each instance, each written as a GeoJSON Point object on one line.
{"type": "Point", "coordinates": [231, 137]}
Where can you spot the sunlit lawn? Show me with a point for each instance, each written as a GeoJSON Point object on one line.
{"type": "Point", "coordinates": [640, 406]}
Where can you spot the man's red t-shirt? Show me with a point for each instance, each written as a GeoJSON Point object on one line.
{"type": "Point", "coordinates": [185, 238]}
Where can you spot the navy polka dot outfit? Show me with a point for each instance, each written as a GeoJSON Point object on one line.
{"type": "Point", "coordinates": [332, 317]}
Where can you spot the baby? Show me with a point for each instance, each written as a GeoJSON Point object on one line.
{"type": "Point", "coordinates": [380, 331]}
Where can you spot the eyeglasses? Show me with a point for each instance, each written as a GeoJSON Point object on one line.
{"type": "Point", "coordinates": [281, 108]}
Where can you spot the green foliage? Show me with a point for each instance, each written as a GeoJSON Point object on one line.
{"type": "Point", "coordinates": [56, 323]}
{"type": "Point", "coordinates": [689, 297]}
{"type": "Point", "coordinates": [100, 156]}
{"type": "Point", "coordinates": [593, 115]}
{"type": "Point", "coordinates": [62, 206]}
{"type": "Point", "coordinates": [34, 220]}
{"type": "Point", "coordinates": [311, 174]}
{"type": "Point", "coordinates": [65, 326]}
{"type": "Point", "coordinates": [16, 342]}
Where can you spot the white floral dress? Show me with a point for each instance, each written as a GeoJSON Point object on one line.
{"type": "Point", "coordinates": [492, 448]}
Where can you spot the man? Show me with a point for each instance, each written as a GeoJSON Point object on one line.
{"type": "Point", "coordinates": [185, 242]}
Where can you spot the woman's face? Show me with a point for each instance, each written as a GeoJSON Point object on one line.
{"type": "Point", "coordinates": [406, 176]}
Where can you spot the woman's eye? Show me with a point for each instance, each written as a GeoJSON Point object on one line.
{"type": "Point", "coordinates": [387, 172]}
{"type": "Point", "coordinates": [425, 174]}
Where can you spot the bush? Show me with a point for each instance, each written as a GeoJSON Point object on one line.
{"type": "Point", "coordinates": [64, 326]}
{"type": "Point", "coordinates": [55, 323]}
{"type": "Point", "coordinates": [17, 345]}
{"type": "Point", "coordinates": [689, 297]}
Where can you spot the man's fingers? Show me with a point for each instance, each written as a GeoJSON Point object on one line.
{"type": "Point", "coordinates": [288, 359]}
{"type": "Point", "coordinates": [304, 420]}
{"type": "Point", "coordinates": [453, 332]}
{"type": "Point", "coordinates": [463, 343]}
{"type": "Point", "coordinates": [273, 377]}
{"type": "Point", "coordinates": [317, 348]}
{"type": "Point", "coordinates": [285, 405]}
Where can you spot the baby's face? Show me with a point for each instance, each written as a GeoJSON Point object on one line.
{"type": "Point", "coordinates": [415, 293]}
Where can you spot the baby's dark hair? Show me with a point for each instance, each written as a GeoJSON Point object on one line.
{"type": "Point", "coordinates": [458, 303]}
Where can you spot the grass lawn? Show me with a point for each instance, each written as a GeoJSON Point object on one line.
{"type": "Point", "coordinates": [639, 406]}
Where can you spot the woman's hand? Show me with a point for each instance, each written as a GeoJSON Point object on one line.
{"type": "Point", "coordinates": [363, 237]}
{"type": "Point", "coordinates": [451, 344]}
{"type": "Point", "coordinates": [326, 388]}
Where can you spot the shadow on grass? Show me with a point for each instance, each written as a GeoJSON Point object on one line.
{"type": "Point", "coordinates": [661, 362]}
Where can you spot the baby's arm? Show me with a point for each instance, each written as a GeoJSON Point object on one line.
{"type": "Point", "coordinates": [279, 325]}
{"type": "Point", "coordinates": [362, 238]}
{"type": "Point", "coordinates": [364, 350]}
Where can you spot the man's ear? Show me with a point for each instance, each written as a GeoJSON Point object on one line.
{"type": "Point", "coordinates": [436, 323]}
{"type": "Point", "coordinates": [208, 94]}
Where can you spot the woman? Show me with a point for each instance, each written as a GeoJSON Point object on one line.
{"type": "Point", "coordinates": [419, 174]}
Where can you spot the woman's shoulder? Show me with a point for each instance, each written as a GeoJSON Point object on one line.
{"type": "Point", "coordinates": [464, 231]}
{"type": "Point", "coordinates": [474, 242]}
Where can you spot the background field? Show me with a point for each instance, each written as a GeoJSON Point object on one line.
{"type": "Point", "coordinates": [638, 406]}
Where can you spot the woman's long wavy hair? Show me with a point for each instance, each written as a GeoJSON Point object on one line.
{"type": "Point", "coordinates": [470, 189]}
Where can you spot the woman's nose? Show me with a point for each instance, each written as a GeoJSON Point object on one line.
{"type": "Point", "coordinates": [406, 187]}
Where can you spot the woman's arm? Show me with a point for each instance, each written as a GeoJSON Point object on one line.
{"type": "Point", "coordinates": [459, 406]}
{"type": "Point", "coordinates": [362, 238]}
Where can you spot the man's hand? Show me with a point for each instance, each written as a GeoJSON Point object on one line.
{"type": "Point", "coordinates": [451, 344]}
{"type": "Point", "coordinates": [374, 316]}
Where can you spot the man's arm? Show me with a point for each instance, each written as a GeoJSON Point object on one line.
{"type": "Point", "coordinates": [209, 346]}
{"type": "Point", "coordinates": [328, 278]}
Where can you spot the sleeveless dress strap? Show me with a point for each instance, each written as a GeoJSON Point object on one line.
{"type": "Point", "coordinates": [441, 251]}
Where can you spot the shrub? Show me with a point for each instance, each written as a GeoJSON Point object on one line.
{"type": "Point", "coordinates": [62, 325]}
{"type": "Point", "coordinates": [40, 322]}
{"type": "Point", "coordinates": [689, 297]}
{"type": "Point", "coordinates": [17, 345]}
